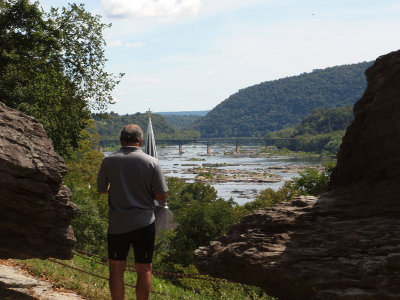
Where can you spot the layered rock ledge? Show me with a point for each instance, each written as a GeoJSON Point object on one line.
{"type": "Point", "coordinates": [36, 213]}
{"type": "Point", "coordinates": [344, 244]}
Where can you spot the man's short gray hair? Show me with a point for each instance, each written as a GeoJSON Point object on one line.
{"type": "Point", "coordinates": [131, 134]}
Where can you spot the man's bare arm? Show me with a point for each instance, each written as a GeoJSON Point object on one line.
{"type": "Point", "coordinates": [161, 198]}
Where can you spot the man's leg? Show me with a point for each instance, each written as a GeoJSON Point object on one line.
{"type": "Point", "coordinates": [118, 248]}
{"type": "Point", "coordinates": [143, 285]}
{"type": "Point", "coordinates": [117, 269]}
{"type": "Point", "coordinates": [143, 247]}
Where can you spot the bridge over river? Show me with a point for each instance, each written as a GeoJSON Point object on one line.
{"type": "Point", "coordinates": [237, 141]}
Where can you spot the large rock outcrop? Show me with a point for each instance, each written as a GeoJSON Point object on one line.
{"type": "Point", "coordinates": [35, 211]}
{"type": "Point", "coordinates": [344, 244]}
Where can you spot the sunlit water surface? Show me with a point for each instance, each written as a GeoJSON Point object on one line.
{"type": "Point", "coordinates": [175, 164]}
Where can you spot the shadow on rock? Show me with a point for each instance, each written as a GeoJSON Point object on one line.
{"type": "Point", "coordinates": [7, 292]}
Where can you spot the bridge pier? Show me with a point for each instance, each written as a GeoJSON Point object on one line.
{"type": "Point", "coordinates": [237, 149]}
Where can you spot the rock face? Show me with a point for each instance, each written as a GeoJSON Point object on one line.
{"type": "Point", "coordinates": [344, 244]}
{"type": "Point", "coordinates": [35, 212]}
{"type": "Point", "coordinates": [370, 148]}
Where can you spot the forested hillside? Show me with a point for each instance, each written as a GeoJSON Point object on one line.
{"type": "Point", "coordinates": [181, 121]}
{"type": "Point", "coordinates": [320, 131]}
{"type": "Point", "coordinates": [109, 127]}
{"type": "Point", "coordinates": [273, 105]}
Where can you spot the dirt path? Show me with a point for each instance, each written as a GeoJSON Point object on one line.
{"type": "Point", "coordinates": [17, 284]}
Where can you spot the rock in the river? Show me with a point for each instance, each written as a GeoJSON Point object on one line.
{"type": "Point", "coordinates": [344, 244]}
{"type": "Point", "coordinates": [35, 212]}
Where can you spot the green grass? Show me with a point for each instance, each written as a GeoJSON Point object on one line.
{"type": "Point", "coordinates": [93, 288]}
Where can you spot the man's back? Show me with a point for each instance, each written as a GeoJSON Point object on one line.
{"type": "Point", "coordinates": [134, 178]}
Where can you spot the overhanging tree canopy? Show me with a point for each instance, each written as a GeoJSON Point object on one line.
{"type": "Point", "coordinates": [52, 67]}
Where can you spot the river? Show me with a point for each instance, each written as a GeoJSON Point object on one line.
{"type": "Point", "coordinates": [240, 176]}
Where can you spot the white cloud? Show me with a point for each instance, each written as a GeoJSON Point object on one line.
{"type": "Point", "coordinates": [135, 44]}
{"type": "Point", "coordinates": [165, 9]}
{"type": "Point", "coordinates": [210, 72]}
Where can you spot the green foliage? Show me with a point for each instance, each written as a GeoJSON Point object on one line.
{"type": "Point", "coordinates": [273, 105]}
{"type": "Point", "coordinates": [323, 120]}
{"type": "Point", "coordinates": [90, 227]}
{"type": "Point", "coordinates": [311, 182]}
{"type": "Point", "coordinates": [52, 67]}
{"type": "Point", "coordinates": [175, 187]}
{"type": "Point", "coordinates": [198, 225]}
{"type": "Point", "coordinates": [181, 195]}
{"type": "Point", "coordinates": [181, 121]}
{"type": "Point", "coordinates": [321, 131]}
{"type": "Point", "coordinates": [81, 38]}
{"type": "Point", "coordinates": [201, 217]}
{"type": "Point", "coordinates": [218, 289]}
{"type": "Point", "coordinates": [329, 168]}
{"type": "Point", "coordinates": [269, 197]}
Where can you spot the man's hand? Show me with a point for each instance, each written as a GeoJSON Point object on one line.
{"type": "Point", "coordinates": [161, 198]}
{"type": "Point", "coordinates": [105, 192]}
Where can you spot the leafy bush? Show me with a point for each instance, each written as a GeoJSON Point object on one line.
{"type": "Point", "coordinates": [311, 182]}
{"type": "Point", "coordinates": [201, 216]}
{"type": "Point", "coordinates": [269, 197]}
{"type": "Point", "coordinates": [90, 227]}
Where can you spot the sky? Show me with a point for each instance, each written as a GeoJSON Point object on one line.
{"type": "Point", "coordinates": [188, 55]}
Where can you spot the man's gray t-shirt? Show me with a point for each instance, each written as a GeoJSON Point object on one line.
{"type": "Point", "coordinates": [134, 179]}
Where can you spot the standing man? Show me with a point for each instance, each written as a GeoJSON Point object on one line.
{"type": "Point", "coordinates": [132, 180]}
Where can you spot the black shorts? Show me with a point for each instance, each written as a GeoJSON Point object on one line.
{"type": "Point", "coordinates": [141, 239]}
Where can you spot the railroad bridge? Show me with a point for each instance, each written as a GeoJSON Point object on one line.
{"type": "Point", "coordinates": [237, 141]}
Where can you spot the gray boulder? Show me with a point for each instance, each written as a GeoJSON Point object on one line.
{"type": "Point", "coordinates": [36, 213]}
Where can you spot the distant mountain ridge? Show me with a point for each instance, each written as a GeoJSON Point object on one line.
{"type": "Point", "coordinates": [273, 105]}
